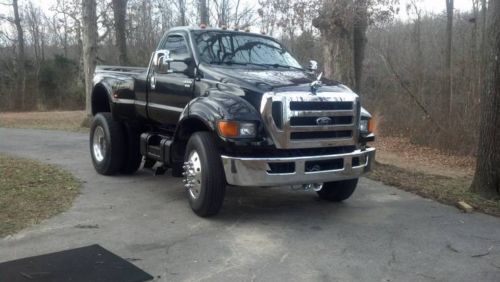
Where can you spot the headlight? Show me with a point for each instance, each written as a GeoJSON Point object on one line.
{"type": "Point", "coordinates": [366, 126]}
{"type": "Point", "coordinates": [235, 129]}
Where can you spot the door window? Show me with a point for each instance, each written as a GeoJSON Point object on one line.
{"type": "Point", "coordinates": [176, 45]}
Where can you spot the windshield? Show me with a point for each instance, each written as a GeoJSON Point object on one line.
{"type": "Point", "coordinates": [230, 48]}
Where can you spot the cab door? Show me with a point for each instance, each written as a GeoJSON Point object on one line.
{"type": "Point", "coordinates": [171, 86]}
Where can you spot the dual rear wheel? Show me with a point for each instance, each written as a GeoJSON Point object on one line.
{"type": "Point", "coordinates": [114, 146]}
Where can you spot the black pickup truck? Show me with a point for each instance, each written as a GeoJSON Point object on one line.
{"type": "Point", "coordinates": [223, 107]}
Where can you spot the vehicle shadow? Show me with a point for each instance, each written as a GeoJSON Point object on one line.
{"type": "Point", "coordinates": [268, 203]}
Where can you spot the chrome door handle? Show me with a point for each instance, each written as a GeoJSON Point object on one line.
{"type": "Point", "coordinates": [153, 83]}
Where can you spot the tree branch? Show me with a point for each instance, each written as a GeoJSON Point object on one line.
{"type": "Point", "coordinates": [391, 68]}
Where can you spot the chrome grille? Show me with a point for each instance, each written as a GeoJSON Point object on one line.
{"type": "Point", "coordinates": [292, 119]}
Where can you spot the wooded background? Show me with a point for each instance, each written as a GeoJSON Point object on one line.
{"type": "Point", "coordinates": [421, 77]}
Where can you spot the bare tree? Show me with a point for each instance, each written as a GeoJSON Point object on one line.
{"type": "Point", "coordinates": [487, 178]}
{"type": "Point", "coordinates": [119, 12]}
{"type": "Point", "coordinates": [419, 57]}
{"type": "Point", "coordinates": [204, 12]}
{"type": "Point", "coordinates": [359, 38]}
{"type": "Point", "coordinates": [182, 12]}
{"type": "Point", "coordinates": [21, 59]}
{"type": "Point", "coordinates": [343, 25]}
{"type": "Point", "coordinates": [89, 17]}
{"type": "Point", "coordinates": [336, 27]}
{"type": "Point", "coordinates": [448, 81]}
{"type": "Point", "coordinates": [36, 31]}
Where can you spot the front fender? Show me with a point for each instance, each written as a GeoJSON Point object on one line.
{"type": "Point", "coordinates": [365, 114]}
{"type": "Point", "coordinates": [216, 105]}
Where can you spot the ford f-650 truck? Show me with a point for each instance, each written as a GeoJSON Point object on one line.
{"type": "Point", "coordinates": [225, 107]}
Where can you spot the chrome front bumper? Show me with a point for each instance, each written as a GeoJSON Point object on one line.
{"type": "Point", "coordinates": [255, 171]}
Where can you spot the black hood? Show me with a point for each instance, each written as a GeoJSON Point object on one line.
{"type": "Point", "coordinates": [255, 82]}
{"type": "Point", "coordinates": [261, 80]}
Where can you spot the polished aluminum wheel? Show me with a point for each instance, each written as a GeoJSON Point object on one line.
{"type": "Point", "coordinates": [192, 174]}
{"type": "Point", "coordinates": [99, 144]}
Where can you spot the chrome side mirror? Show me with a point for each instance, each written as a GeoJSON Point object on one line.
{"type": "Point", "coordinates": [313, 65]}
{"type": "Point", "coordinates": [165, 62]}
{"type": "Point", "coordinates": [161, 61]}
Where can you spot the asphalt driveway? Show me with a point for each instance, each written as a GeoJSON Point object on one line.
{"type": "Point", "coordinates": [381, 234]}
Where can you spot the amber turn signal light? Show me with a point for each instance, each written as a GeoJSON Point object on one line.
{"type": "Point", "coordinates": [371, 125]}
{"type": "Point", "coordinates": [228, 128]}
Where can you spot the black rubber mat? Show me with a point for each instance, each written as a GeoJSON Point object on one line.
{"type": "Point", "coordinates": [92, 263]}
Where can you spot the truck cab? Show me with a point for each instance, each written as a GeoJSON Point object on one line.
{"type": "Point", "coordinates": [230, 108]}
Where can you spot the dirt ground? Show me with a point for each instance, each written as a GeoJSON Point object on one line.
{"type": "Point", "coordinates": [402, 153]}
{"type": "Point", "coordinates": [56, 120]}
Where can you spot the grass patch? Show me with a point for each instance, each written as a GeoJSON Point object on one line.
{"type": "Point", "coordinates": [444, 189]}
{"type": "Point", "coordinates": [31, 192]}
{"type": "Point", "coordinates": [56, 120]}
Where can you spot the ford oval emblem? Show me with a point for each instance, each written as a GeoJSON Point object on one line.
{"type": "Point", "coordinates": [324, 121]}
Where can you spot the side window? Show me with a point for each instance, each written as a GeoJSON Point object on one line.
{"type": "Point", "coordinates": [176, 45]}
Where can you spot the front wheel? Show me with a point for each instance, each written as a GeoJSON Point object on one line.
{"type": "Point", "coordinates": [338, 191]}
{"type": "Point", "coordinates": [204, 176]}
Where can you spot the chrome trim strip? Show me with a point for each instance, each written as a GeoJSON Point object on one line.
{"type": "Point", "coordinates": [254, 171]}
{"type": "Point", "coordinates": [165, 107]}
{"type": "Point", "coordinates": [329, 113]}
{"type": "Point", "coordinates": [124, 101]}
{"type": "Point", "coordinates": [309, 128]}
{"type": "Point", "coordinates": [143, 103]}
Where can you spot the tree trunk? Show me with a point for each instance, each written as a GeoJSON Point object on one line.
{"type": "Point", "coordinates": [119, 12]}
{"type": "Point", "coordinates": [448, 82]}
{"type": "Point", "coordinates": [338, 57]}
{"type": "Point", "coordinates": [336, 25]}
{"type": "Point", "coordinates": [203, 12]}
{"type": "Point", "coordinates": [487, 177]}
{"type": "Point", "coordinates": [359, 37]}
{"type": "Point", "coordinates": [89, 17]}
{"type": "Point", "coordinates": [21, 60]}
{"type": "Point", "coordinates": [182, 12]}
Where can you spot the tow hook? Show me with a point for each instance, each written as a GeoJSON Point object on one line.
{"type": "Point", "coordinates": [306, 187]}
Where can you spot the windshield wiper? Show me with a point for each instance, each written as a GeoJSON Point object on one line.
{"type": "Point", "coordinates": [282, 66]}
{"type": "Point", "coordinates": [236, 63]}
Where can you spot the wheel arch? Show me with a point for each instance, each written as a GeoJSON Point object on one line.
{"type": "Point", "coordinates": [184, 130]}
{"type": "Point", "coordinates": [100, 99]}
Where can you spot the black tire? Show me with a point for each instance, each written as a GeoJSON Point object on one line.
{"type": "Point", "coordinates": [177, 169]}
{"type": "Point", "coordinates": [338, 191]}
{"type": "Point", "coordinates": [213, 181]}
{"type": "Point", "coordinates": [132, 155]}
{"type": "Point", "coordinates": [149, 163]}
{"type": "Point", "coordinates": [110, 160]}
